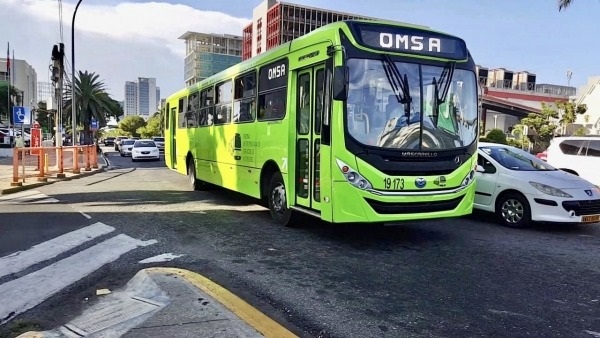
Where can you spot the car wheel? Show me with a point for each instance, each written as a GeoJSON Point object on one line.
{"type": "Point", "coordinates": [513, 210]}
{"type": "Point", "coordinates": [278, 208]}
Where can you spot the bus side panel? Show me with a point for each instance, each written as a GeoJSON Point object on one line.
{"type": "Point", "coordinates": [168, 135]}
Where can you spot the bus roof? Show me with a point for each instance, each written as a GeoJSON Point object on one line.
{"type": "Point", "coordinates": [284, 48]}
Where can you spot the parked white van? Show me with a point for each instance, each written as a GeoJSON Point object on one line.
{"type": "Point", "coordinates": [578, 155]}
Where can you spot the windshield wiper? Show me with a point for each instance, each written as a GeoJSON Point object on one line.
{"type": "Point", "coordinates": [445, 80]}
{"type": "Point", "coordinates": [398, 84]}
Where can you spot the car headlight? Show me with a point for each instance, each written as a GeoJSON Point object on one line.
{"type": "Point", "coordinates": [353, 176]}
{"type": "Point", "coordinates": [468, 179]}
{"type": "Point", "coordinates": [548, 190]}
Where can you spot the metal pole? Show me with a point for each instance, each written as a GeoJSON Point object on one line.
{"type": "Point", "coordinates": [73, 110]}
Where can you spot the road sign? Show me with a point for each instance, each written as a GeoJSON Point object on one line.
{"type": "Point", "coordinates": [21, 115]}
{"type": "Point", "coordinates": [95, 125]}
{"type": "Point", "coordinates": [36, 140]}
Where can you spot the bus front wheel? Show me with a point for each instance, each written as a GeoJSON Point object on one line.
{"type": "Point", "coordinates": [280, 212]}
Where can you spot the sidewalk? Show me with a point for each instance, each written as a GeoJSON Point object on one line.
{"type": "Point", "coordinates": [6, 173]}
{"type": "Point", "coordinates": [169, 302]}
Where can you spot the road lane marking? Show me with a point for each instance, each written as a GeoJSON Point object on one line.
{"type": "Point", "coordinates": [246, 312]}
{"type": "Point", "coordinates": [85, 215]}
{"type": "Point", "coordinates": [40, 285]}
{"type": "Point", "coordinates": [30, 197]}
{"type": "Point", "coordinates": [21, 260]}
{"type": "Point", "coordinates": [166, 257]}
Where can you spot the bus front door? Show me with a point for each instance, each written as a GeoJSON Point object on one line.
{"type": "Point", "coordinates": [173, 137]}
{"type": "Point", "coordinates": [309, 93]}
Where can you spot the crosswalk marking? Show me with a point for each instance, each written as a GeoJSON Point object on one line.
{"type": "Point", "coordinates": [27, 197]}
{"type": "Point", "coordinates": [22, 294]}
{"type": "Point", "coordinates": [21, 260]}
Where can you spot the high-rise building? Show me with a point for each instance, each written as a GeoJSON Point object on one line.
{"type": "Point", "coordinates": [275, 22]}
{"type": "Point", "coordinates": [142, 97]}
{"type": "Point", "coordinates": [45, 93]}
{"type": "Point", "coordinates": [130, 104]}
{"type": "Point", "coordinates": [208, 54]}
{"type": "Point", "coordinates": [24, 79]}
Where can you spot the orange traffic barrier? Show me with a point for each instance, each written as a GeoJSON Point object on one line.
{"type": "Point", "coordinates": [40, 163]}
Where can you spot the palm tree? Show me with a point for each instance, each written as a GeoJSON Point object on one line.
{"type": "Point", "coordinates": [92, 102]}
{"type": "Point", "coordinates": [563, 4]}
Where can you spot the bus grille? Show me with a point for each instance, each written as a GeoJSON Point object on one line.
{"type": "Point", "coordinates": [414, 207]}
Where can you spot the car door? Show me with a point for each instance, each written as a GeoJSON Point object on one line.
{"type": "Point", "coordinates": [486, 182]}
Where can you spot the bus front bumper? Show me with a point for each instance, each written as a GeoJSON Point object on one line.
{"type": "Point", "coordinates": [351, 205]}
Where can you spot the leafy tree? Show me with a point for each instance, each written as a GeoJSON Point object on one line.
{"type": "Point", "coordinates": [580, 132]}
{"type": "Point", "coordinates": [92, 102]}
{"type": "Point", "coordinates": [496, 136]}
{"type": "Point", "coordinates": [542, 124]}
{"type": "Point", "coordinates": [131, 124]}
{"type": "Point", "coordinates": [569, 112]}
{"type": "Point", "coordinates": [563, 4]}
{"type": "Point", "coordinates": [152, 128]}
{"type": "Point", "coordinates": [6, 104]}
{"type": "Point", "coordinates": [45, 117]}
{"type": "Point", "coordinates": [586, 118]}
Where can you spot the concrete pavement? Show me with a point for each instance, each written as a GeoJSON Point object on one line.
{"type": "Point", "coordinates": [169, 302]}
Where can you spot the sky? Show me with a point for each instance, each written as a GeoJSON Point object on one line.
{"type": "Point", "coordinates": [124, 40]}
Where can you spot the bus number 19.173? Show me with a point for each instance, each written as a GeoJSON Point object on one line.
{"type": "Point", "coordinates": [393, 184]}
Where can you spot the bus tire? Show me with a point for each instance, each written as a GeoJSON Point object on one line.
{"type": "Point", "coordinates": [276, 197]}
{"type": "Point", "coordinates": [195, 183]}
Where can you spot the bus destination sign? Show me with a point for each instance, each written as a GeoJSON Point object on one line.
{"type": "Point", "coordinates": [412, 41]}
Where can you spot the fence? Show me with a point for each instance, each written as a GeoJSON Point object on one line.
{"type": "Point", "coordinates": [41, 163]}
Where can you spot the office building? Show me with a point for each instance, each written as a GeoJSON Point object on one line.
{"type": "Point", "coordinates": [46, 93]}
{"type": "Point", "coordinates": [276, 22]}
{"type": "Point", "coordinates": [208, 54]}
{"type": "Point", "coordinates": [24, 80]}
{"type": "Point", "coordinates": [141, 98]}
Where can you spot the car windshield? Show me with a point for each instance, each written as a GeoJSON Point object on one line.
{"type": "Point", "coordinates": [516, 159]}
{"type": "Point", "coordinates": [144, 144]}
{"type": "Point", "coordinates": [128, 142]}
{"type": "Point", "coordinates": [411, 106]}
{"type": "Point", "coordinates": [159, 139]}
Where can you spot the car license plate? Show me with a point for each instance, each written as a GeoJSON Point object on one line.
{"type": "Point", "coordinates": [590, 219]}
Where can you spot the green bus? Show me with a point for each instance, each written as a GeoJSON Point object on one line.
{"type": "Point", "coordinates": [357, 121]}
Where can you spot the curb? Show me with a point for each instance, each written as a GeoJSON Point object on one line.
{"type": "Point", "coordinates": [246, 312]}
{"type": "Point", "coordinates": [41, 184]}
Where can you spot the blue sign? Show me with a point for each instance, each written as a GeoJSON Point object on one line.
{"type": "Point", "coordinates": [95, 124]}
{"type": "Point", "coordinates": [21, 115]}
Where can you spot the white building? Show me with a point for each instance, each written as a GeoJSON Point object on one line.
{"type": "Point", "coordinates": [141, 98]}
{"type": "Point", "coordinates": [24, 79]}
{"type": "Point", "coordinates": [589, 94]}
{"type": "Point", "coordinates": [46, 93]}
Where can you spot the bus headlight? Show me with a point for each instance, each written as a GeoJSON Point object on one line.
{"type": "Point", "coordinates": [353, 176]}
{"type": "Point", "coordinates": [468, 179]}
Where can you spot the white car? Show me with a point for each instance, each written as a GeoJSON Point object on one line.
{"type": "Point", "coordinates": [521, 188]}
{"type": "Point", "coordinates": [126, 147]}
{"type": "Point", "coordinates": [579, 155]}
{"type": "Point", "coordinates": [145, 150]}
{"type": "Point", "coordinates": [160, 142]}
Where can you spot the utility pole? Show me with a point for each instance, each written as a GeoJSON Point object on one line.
{"type": "Point", "coordinates": [58, 71]}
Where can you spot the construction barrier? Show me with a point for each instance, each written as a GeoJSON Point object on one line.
{"type": "Point", "coordinates": [41, 163]}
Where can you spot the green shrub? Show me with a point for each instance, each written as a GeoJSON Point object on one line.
{"type": "Point", "coordinates": [496, 136]}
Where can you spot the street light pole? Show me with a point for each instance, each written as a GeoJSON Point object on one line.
{"type": "Point", "coordinates": [73, 109]}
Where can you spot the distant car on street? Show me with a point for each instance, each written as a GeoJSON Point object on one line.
{"type": "Point", "coordinates": [521, 188]}
{"type": "Point", "coordinates": [126, 147]}
{"type": "Point", "coordinates": [109, 141]}
{"type": "Point", "coordinates": [160, 142]}
{"type": "Point", "coordinates": [145, 150]}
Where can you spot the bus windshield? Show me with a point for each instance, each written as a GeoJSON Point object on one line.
{"type": "Point", "coordinates": [399, 105]}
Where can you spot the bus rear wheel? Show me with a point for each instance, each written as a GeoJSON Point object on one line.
{"type": "Point", "coordinates": [280, 212]}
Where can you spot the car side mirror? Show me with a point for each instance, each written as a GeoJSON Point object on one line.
{"type": "Point", "coordinates": [479, 169]}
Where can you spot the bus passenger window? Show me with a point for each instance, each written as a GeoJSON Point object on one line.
{"type": "Point", "coordinates": [223, 103]}
{"type": "Point", "coordinates": [271, 106]}
{"type": "Point", "coordinates": [181, 113]}
{"type": "Point", "coordinates": [244, 107]}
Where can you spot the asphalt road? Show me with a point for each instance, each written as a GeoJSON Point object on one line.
{"type": "Point", "coordinates": [465, 277]}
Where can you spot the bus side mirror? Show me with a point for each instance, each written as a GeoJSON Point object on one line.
{"type": "Point", "coordinates": [340, 83]}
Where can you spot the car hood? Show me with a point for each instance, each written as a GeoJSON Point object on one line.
{"type": "Point", "coordinates": [557, 179]}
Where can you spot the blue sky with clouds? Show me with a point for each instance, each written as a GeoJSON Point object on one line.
{"type": "Point", "coordinates": [515, 34]}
